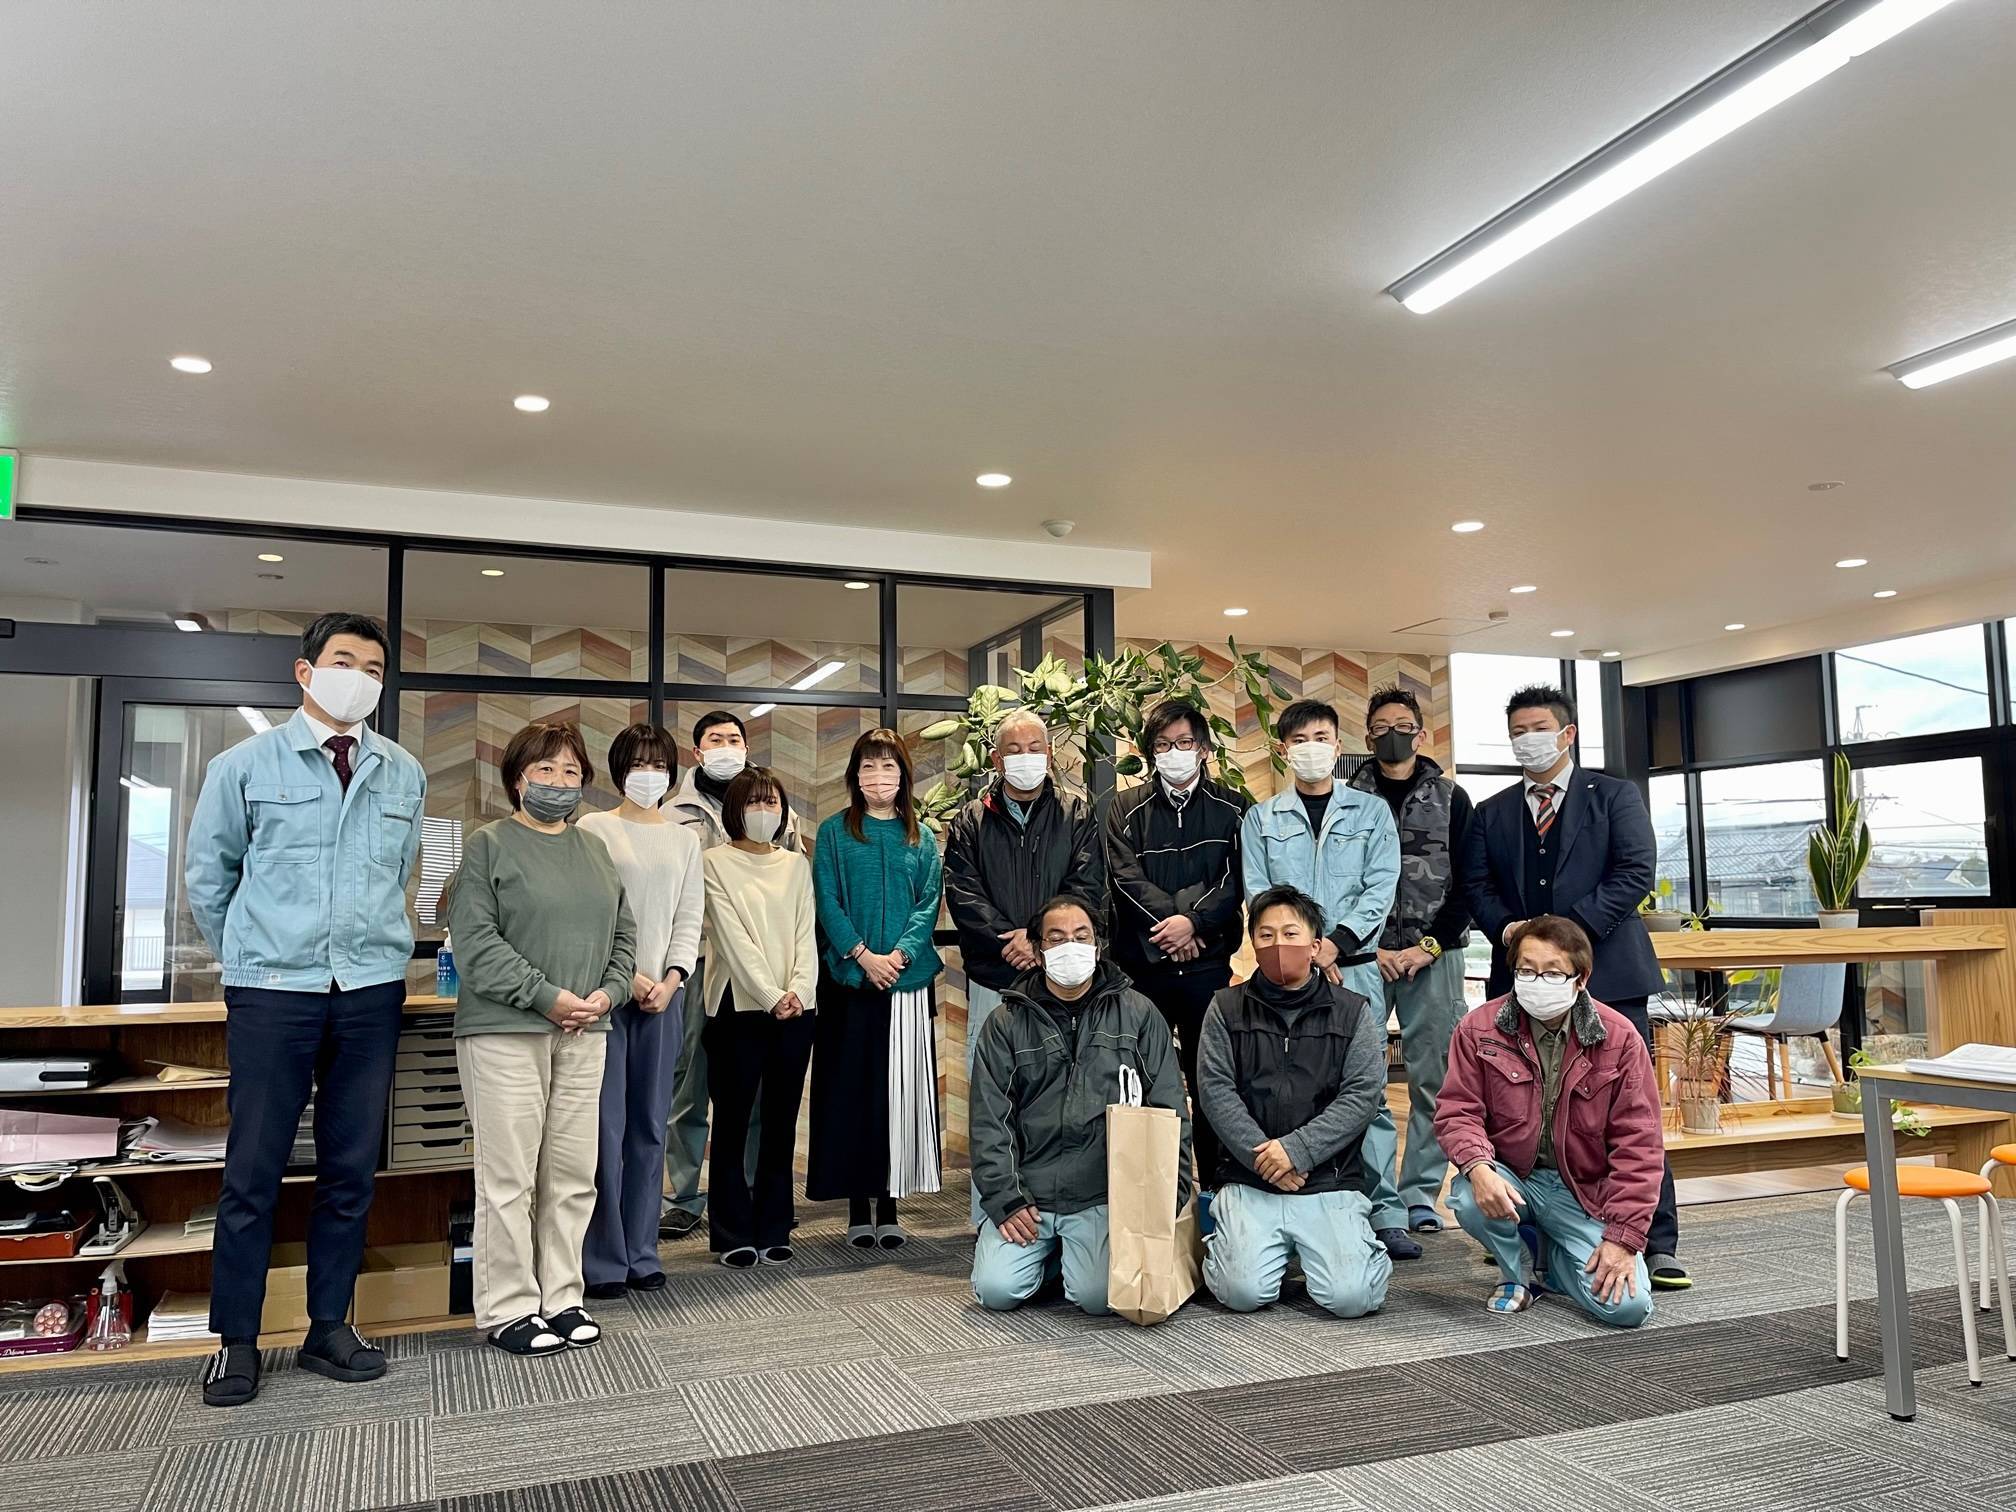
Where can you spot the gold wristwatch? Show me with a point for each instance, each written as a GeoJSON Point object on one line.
{"type": "Point", "coordinates": [1430, 944]}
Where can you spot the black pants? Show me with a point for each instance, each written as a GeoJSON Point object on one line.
{"type": "Point", "coordinates": [1183, 1000]}
{"type": "Point", "coordinates": [1663, 1238]}
{"type": "Point", "coordinates": [342, 1044]}
{"type": "Point", "coordinates": [753, 1057]}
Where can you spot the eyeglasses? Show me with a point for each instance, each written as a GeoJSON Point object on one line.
{"type": "Point", "coordinates": [1551, 978]}
{"type": "Point", "coordinates": [1393, 729]}
{"type": "Point", "coordinates": [1182, 743]}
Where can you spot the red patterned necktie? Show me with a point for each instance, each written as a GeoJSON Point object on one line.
{"type": "Point", "coordinates": [338, 746]}
{"type": "Point", "coordinates": [1543, 816]}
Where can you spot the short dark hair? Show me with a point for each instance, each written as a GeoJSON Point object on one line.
{"type": "Point", "coordinates": [539, 742]}
{"type": "Point", "coordinates": [1067, 900]}
{"type": "Point", "coordinates": [1565, 935]}
{"type": "Point", "coordinates": [1306, 908]}
{"type": "Point", "coordinates": [636, 745]}
{"type": "Point", "coordinates": [326, 627]}
{"type": "Point", "coordinates": [1542, 696]}
{"type": "Point", "coordinates": [1303, 713]}
{"type": "Point", "coordinates": [1169, 712]}
{"type": "Point", "coordinates": [715, 717]}
{"type": "Point", "coordinates": [1393, 695]}
{"type": "Point", "coordinates": [748, 785]}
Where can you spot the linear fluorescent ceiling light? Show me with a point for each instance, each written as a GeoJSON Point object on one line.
{"type": "Point", "coordinates": [811, 679]}
{"type": "Point", "coordinates": [255, 718]}
{"type": "Point", "coordinates": [1803, 54]}
{"type": "Point", "coordinates": [1996, 344]}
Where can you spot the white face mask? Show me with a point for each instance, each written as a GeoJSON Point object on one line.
{"type": "Point", "coordinates": [1537, 750]}
{"type": "Point", "coordinates": [1070, 964]}
{"type": "Point", "coordinates": [723, 762]}
{"type": "Point", "coordinates": [1547, 1001]}
{"type": "Point", "coordinates": [343, 693]}
{"type": "Point", "coordinates": [761, 824]}
{"type": "Point", "coordinates": [1313, 760]}
{"type": "Point", "coordinates": [645, 788]}
{"type": "Point", "coordinates": [1178, 767]}
{"type": "Point", "coordinates": [1025, 772]}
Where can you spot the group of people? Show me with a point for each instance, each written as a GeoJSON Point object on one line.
{"type": "Point", "coordinates": [644, 989]}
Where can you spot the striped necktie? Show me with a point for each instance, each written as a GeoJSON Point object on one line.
{"type": "Point", "coordinates": [1543, 815]}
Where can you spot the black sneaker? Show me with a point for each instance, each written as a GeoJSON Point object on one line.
{"type": "Point", "coordinates": [531, 1335]}
{"type": "Point", "coordinates": [576, 1327]}
{"type": "Point", "coordinates": [606, 1291]}
{"type": "Point", "coordinates": [653, 1282]}
{"type": "Point", "coordinates": [341, 1354]}
{"type": "Point", "coordinates": [677, 1223]}
{"type": "Point", "coordinates": [231, 1378]}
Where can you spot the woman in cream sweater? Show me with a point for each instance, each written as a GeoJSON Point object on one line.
{"type": "Point", "coordinates": [762, 971]}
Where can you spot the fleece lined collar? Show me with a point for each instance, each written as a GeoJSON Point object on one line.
{"type": "Point", "coordinates": [1583, 1017]}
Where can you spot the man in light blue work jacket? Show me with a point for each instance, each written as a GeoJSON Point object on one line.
{"type": "Point", "coordinates": [299, 852]}
{"type": "Point", "coordinates": [1339, 846]}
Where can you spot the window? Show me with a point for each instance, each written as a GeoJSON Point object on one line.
{"type": "Point", "coordinates": [1920, 685]}
{"type": "Point", "coordinates": [807, 745]}
{"type": "Point", "coordinates": [751, 630]}
{"type": "Point", "coordinates": [1668, 803]}
{"type": "Point", "coordinates": [1589, 713]}
{"type": "Point", "coordinates": [954, 639]}
{"type": "Point", "coordinates": [1481, 785]}
{"type": "Point", "coordinates": [1927, 829]}
{"type": "Point", "coordinates": [1756, 821]}
{"type": "Point", "coordinates": [1480, 686]}
{"type": "Point", "coordinates": [479, 615]}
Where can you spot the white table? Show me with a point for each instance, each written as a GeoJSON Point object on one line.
{"type": "Point", "coordinates": [1879, 1085]}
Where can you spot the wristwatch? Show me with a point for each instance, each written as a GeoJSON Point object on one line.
{"type": "Point", "coordinates": [1430, 944]}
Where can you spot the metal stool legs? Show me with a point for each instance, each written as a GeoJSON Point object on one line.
{"type": "Point", "coordinates": [1962, 1281]}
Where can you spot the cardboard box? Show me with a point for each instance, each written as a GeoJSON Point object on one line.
{"type": "Point", "coordinates": [399, 1283]}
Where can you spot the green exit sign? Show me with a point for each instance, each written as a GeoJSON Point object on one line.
{"type": "Point", "coordinates": [10, 471]}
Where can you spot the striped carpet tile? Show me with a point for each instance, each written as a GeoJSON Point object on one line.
{"type": "Point", "coordinates": [791, 1408]}
{"type": "Point", "coordinates": [1114, 1451]}
{"type": "Point", "coordinates": [105, 1415]}
{"type": "Point", "coordinates": [324, 1470]}
{"type": "Point", "coordinates": [487, 1380]}
{"type": "Point", "coordinates": [1067, 1372]}
{"type": "Point", "coordinates": [932, 1470]}
{"type": "Point", "coordinates": [672, 1488]}
{"type": "Point", "coordinates": [495, 1451]}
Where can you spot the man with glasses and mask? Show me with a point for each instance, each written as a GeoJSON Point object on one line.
{"type": "Point", "coordinates": [1340, 846]}
{"type": "Point", "coordinates": [300, 848]}
{"type": "Point", "coordinates": [1576, 844]}
{"type": "Point", "coordinates": [1421, 947]}
{"type": "Point", "coordinates": [1172, 854]}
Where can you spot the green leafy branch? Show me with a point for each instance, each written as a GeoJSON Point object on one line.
{"type": "Point", "coordinates": [1837, 855]}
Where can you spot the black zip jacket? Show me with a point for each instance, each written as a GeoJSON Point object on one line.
{"type": "Point", "coordinates": [998, 872]}
{"type": "Point", "coordinates": [1164, 860]}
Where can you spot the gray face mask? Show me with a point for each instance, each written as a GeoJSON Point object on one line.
{"type": "Point", "coordinates": [549, 804]}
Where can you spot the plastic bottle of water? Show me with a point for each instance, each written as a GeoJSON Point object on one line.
{"type": "Point", "coordinates": [445, 980]}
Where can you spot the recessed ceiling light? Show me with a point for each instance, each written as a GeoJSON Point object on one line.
{"type": "Point", "coordinates": [1612, 655]}
{"type": "Point", "coordinates": [1826, 486]}
{"type": "Point", "coordinates": [40, 561]}
{"type": "Point", "coordinates": [1801, 55]}
{"type": "Point", "coordinates": [1467, 527]}
{"type": "Point", "coordinates": [1527, 588]}
{"type": "Point", "coordinates": [1560, 634]}
{"type": "Point", "coordinates": [857, 585]}
{"type": "Point", "coordinates": [271, 556]}
{"type": "Point", "coordinates": [1236, 613]}
{"type": "Point", "coordinates": [1853, 562]}
{"type": "Point", "coordinates": [1884, 593]}
{"type": "Point", "coordinates": [993, 480]}
{"type": "Point", "coordinates": [532, 404]}
{"type": "Point", "coordinates": [188, 364]}
{"type": "Point", "coordinates": [493, 572]}
{"type": "Point", "coordinates": [1996, 344]}
{"type": "Point", "coordinates": [190, 625]}
{"type": "Point", "coordinates": [1736, 625]}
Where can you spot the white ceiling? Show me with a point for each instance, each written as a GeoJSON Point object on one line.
{"type": "Point", "coordinates": [828, 262]}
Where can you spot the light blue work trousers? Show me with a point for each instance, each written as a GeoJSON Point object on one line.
{"type": "Point", "coordinates": [980, 1001]}
{"type": "Point", "coordinates": [1256, 1233]}
{"type": "Point", "coordinates": [1568, 1237]}
{"type": "Point", "coordinates": [1006, 1275]}
{"type": "Point", "coordinates": [1429, 1005]}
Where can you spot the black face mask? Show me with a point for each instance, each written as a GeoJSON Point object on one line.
{"type": "Point", "coordinates": [1394, 747]}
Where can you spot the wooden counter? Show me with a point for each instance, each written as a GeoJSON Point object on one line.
{"type": "Point", "coordinates": [1726, 949]}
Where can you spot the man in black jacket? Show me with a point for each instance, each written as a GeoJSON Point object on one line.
{"type": "Point", "coordinates": [1007, 852]}
{"type": "Point", "coordinates": [1578, 844]}
{"type": "Point", "coordinates": [1172, 855]}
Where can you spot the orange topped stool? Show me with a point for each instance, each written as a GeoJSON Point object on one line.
{"type": "Point", "coordinates": [1951, 1187]}
{"type": "Point", "coordinates": [2000, 1156]}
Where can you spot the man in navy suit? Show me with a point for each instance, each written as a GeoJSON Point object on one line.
{"type": "Point", "coordinates": [1577, 844]}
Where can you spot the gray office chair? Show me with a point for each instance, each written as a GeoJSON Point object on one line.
{"type": "Point", "coordinates": [1809, 1003]}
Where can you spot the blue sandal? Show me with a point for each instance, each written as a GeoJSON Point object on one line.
{"type": "Point", "coordinates": [1424, 1220]}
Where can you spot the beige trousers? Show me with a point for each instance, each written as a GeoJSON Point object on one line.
{"type": "Point", "coordinates": [533, 1101]}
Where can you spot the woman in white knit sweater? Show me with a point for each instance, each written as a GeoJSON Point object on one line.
{"type": "Point", "coordinates": [762, 972]}
{"type": "Point", "coordinates": [658, 859]}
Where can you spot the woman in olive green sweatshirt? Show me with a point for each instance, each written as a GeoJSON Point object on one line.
{"type": "Point", "coordinates": [545, 945]}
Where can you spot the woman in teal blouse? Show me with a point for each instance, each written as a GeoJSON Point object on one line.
{"type": "Point", "coordinates": [875, 876]}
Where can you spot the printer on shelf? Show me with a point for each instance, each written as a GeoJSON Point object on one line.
{"type": "Point", "coordinates": [55, 1071]}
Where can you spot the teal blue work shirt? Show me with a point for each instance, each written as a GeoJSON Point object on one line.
{"type": "Point", "coordinates": [294, 883]}
{"type": "Point", "coordinates": [1352, 869]}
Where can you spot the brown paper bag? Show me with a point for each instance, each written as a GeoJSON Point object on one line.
{"type": "Point", "coordinates": [1156, 1256]}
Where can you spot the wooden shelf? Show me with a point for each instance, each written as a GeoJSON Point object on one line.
{"type": "Point", "coordinates": [1721, 949]}
{"type": "Point", "coordinates": [156, 1167]}
{"type": "Point", "coordinates": [126, 1084]}
{"type": "Point", "coordinates": [143, 1349]}
{"type": "Point", "coordinates": [159, 1239]}
{"type": "Point", "coordinates": [140, 1015]}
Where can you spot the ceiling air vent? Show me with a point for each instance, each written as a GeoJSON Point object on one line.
{"type": "Point", "coordinates": [1445, 628]}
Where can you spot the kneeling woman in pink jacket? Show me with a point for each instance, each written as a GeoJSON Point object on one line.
{"type": "Point", "coordinates": [1551, 1116]}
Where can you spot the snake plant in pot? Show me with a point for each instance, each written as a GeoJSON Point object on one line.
{"type": "Point", "coordinates": [1838, 853]}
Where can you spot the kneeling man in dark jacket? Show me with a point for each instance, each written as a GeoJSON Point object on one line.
{"type": "Point", "coordinates": [1290, 1071]}
{"type": "Point", "coordinates": [1050, 1059]}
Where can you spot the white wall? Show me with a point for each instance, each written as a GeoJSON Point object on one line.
{"type": "Point", "coordinates": [44, 744]}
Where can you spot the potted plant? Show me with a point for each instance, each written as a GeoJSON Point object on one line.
{"type": "Point", "coordinates": [1658, 912]}
{"type": "Point", "coordinates": [1701, 1055]}
{"type": "Point", "coordinates": [1837, 854]}
{"type": "Point", "coordinates": [1848, 1101]}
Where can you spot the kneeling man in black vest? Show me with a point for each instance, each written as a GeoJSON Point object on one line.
{"type": "Point", "coordinates": [1290, 1071]}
